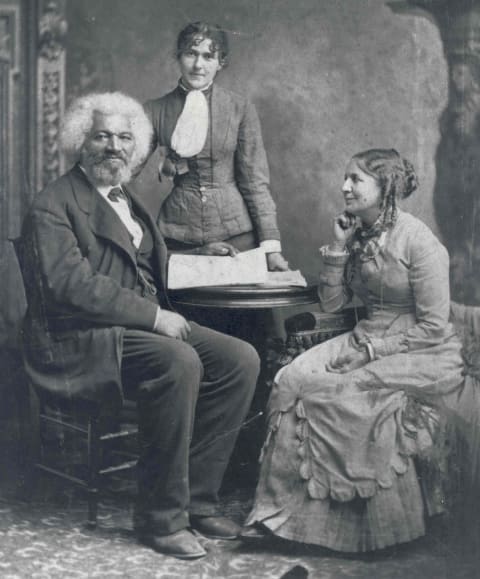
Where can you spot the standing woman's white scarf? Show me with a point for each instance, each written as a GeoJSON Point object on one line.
{"type": "Point", "coordinates": [190, 133]}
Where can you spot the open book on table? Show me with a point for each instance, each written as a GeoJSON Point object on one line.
{"type": "Point", "coordinates": [246, 268]}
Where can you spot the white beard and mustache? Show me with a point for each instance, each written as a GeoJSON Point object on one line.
{"type": "Point", "coordinates": [107, 169]}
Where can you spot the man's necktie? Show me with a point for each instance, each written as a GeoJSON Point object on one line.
{"type": "Point", "coordinates": [115, 194]}
{"type": "Point", "coordinates": [124, 211]}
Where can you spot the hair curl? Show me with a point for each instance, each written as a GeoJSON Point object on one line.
{"type": "Point", "coordinates": [196, 32]}
{"type": "Point", "coordinates": [78, 122]}
{"type": "Point", "coordinates": [395, 175]}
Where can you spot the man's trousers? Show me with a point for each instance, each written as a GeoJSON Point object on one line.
{"type": "Point", "coordinates": [192, 398]}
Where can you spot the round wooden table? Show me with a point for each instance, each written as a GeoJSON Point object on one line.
{"type": "Point", "coordinates": [245, 312]}
{"type": "Point", "coordinates": [249, 297]}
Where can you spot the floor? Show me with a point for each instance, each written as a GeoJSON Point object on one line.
{"type": "Point", "coordinates": [43, 536]}
{"type": "Point", "coordinates": [47, 539]}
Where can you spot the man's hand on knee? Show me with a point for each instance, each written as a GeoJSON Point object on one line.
{"type": "Point", "coordinates": [171, 324]}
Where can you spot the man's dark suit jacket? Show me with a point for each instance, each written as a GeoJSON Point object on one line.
{"type": "Point", "coordinates": [80, 272]}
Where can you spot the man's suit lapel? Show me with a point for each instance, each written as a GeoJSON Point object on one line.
{"type": "Point", "coordinates": [160, 247]}
{"type": "Point", "coordinates": [221, 114]}
{"type": "Point", "coordinates": [103, 220]}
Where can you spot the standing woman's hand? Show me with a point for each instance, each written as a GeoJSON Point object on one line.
{"type": "Point", "coordinates": [276, 262]}
{"type": "Point", "coordinates": [344, 226]}
{"type": "Point", "coordinates": [218, 248]}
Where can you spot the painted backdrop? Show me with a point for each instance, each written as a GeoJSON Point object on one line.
{"type": "Point", "coordinates": [328, 77]}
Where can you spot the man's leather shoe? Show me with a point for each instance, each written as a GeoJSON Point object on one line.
{"type": "Point", "coordinates": [215, 527]}
{"type": "Point", "coordinates": [183, 544]}
{"type": "Point", "coordinates": [254, 533]}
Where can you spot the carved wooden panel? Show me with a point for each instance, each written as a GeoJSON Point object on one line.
{"type": "Point", "coordinates": [52, 29]}
{"type": "Point", "coordinates": [4, 150]}
{"type": "Point", "coordinates": [9, 56]}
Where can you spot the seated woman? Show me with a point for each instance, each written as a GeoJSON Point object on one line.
{"type": "Point", "coordinates": [347, 416]}
{"type": "Point", "coordinates": [213, 151]}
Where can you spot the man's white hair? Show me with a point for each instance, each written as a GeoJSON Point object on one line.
{"type": "Point", "coordinates": [78, 122]}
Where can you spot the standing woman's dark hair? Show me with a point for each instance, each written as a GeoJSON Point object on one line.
{"type": "Point", "coordinates": [395, 175]}
{"type": "Point", "coordinates": [194, 33]}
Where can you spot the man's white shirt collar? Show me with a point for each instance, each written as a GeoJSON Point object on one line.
{"type": "Point", "coordinates": [121, 208]}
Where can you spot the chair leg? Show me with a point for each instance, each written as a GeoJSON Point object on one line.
{"type": "Point", "coordinates": [93, 449]}
{"type": "Point", "coordinates": [29, 437]}
{"type": "Point", "coordinates": [92, 508]}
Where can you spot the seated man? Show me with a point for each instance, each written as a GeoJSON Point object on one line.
{"type": "Point", "coordinates": [99, 328]}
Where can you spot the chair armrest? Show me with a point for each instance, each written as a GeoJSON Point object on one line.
{"type": "Point", "coordinates": [307, 329]}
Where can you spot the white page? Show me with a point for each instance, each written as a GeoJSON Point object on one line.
{"type": "Point", "coordinates": [185, 271]}
{"type": "Point", "coordinates": [285, 279]}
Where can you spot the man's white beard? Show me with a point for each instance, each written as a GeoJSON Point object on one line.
{"type": "Point", "coordinates": [108, 173]}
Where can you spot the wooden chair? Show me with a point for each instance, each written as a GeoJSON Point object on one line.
{"type": "Point", "coordinates": [76, 443]}
{"type": "Point", "coordinates": [80, 448]}
{"type": "Point", "coordinates": [310, 328]}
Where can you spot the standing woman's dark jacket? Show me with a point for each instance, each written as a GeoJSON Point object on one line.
{"type": "Point", "coordinates": [224, 190]}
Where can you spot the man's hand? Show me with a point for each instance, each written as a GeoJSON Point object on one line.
{"type": "Point", "coordinates": [348, 360]}
{"type": "Point", "coordinates": [218, 248]}
{"type": "Point", "coordinates": [276, 262]}
{"type": "Point", "coordinates": [171, 324]}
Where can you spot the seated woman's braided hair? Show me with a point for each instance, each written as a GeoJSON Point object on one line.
{"type": "Point", "coordinates": [395, 175]}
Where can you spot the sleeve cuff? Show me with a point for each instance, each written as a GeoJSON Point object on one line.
{"type": "Point", "coordinates": [326, 251]}
{"type": "Point", "coordinates": [390, 345]}
{"type": "Point", "coordinates": [157, 317]}
{"type": "Point", "coordinates": [271, 246]}
{"type": "Point", "coordinates": [333, 257]}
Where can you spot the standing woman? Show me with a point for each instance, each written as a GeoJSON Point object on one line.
{"type": "Point", "coordinates": [347, 417]}
{"type": "Point", "coordinates": [212, 149]}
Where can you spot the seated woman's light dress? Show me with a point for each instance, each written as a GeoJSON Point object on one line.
{"type": "Point", "coordinates": [337, 466]}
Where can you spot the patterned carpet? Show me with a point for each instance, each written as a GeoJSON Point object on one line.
{"type": "Point", "coordinates": [45, 538]}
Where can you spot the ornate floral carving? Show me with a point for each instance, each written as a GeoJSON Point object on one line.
{"type": "Point", "coordinates": [5, 41]}
{"type": "Point", "coordinates": [52, 30]}
{"type": "Point", "coordinates": [9, 35]}
{"type": "Point", "coordinates": [51, 118]}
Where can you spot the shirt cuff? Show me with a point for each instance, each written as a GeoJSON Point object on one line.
{"type": "Point", "coordinates": [326, 250]}
{"type": "Point", "coordinates": [271, 246]}
{"type": "Point", "coordinates": [157, 318]}
{"type": "Point", "coordinates": [334, 258]}
{"type": "Point", "coordinates": [389, 345]}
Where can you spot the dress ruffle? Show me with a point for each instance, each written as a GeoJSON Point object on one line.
{"type": "Point", "coordinates": [324, 482]}
{"type": "Point", "coordinates": [285, 504]}
{"type": "Point", "coordinates": [317, 469]}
